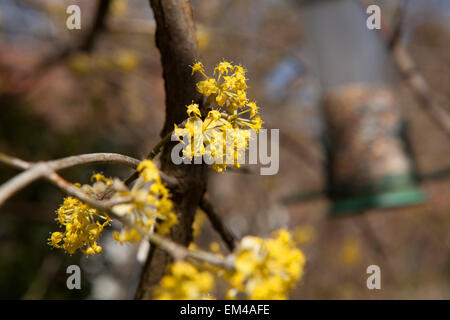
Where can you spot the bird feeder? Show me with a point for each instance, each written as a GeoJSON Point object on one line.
{"type": "Point", "coordinates": [368, 164]}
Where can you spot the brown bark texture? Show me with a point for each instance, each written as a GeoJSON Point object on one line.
{"type": "Point", "coordinates": [177, 42]}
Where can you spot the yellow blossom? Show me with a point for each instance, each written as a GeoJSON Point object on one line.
{"type": "Point", "coordinates": [126, 60]}
{"type": "Point", "coordinates": [207, 87]}
{"type": "Point", "coordinates": [266, 268]}
{"type": "Point", "coordinates": [119, 7]}
{"type": "Point", "coordinates": [198, 66]}
{"type": "Point", "coordinates": [304, 234]}
{"type": "Point", "coordinates": [253, 108]}
{"type": "Point", "coordinates": [83, 226]}
{"type": "Point", "coordinates": [148, 171]}
{"type": "Point", "coordinates": [203, 37]}
{"type": "Point", "coordinates": [225, 132]}
{"type": "Point", "coordinates": [223, 67]}
{"type": "Point", "coordinates": [79, 63]}
{"type": "Point", "coordinates": [193, 108]}
{"type": "Point", "coordinates": [185, 282]}
{"type": "Point", "coordinates": [151, 208]}
{"type": "Point", "coordinates": [199, 221]}
{"type": "Point", "coordinates": [350, 253]}
{"type": "Point", "coordinates": [214, 247]}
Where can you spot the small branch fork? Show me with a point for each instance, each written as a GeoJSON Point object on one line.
{"type": "Point", "coordinates": [48, 170]}
{"type": "Point", "coordinates": [152, 154]}
{"type": "Point", "coordinates": [35, 171]}
{"type": "Point", "coordinates": [227, 236]}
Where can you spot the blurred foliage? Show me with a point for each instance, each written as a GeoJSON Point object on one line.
{"type": "Point", "coordinates": [22, 251]}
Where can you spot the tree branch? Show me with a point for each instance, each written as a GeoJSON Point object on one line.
{"type": "Point", "coordinates": [35, 171]}
{"type": "Point", "coordinates": [22, 180]}
{"type": "Point", "coordinates": [227, 236]}
{"type": "Point", "coordinates": [177, 42]}
{"type": "Point", "coordinates": [74, 161]}
{"type": "Point", "coordinates": [12, 186]}
{"type": "Point", "coordinates": [152, 154]}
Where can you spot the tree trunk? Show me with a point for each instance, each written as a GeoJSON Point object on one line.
{"type": "Point", "coordinates": [177, 43]}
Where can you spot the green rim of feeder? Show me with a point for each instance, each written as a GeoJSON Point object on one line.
{"type": "Point", "coordinates": [382, 200]}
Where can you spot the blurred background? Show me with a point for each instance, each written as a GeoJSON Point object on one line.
{"type": "Point", "coordinates": [364, 169]}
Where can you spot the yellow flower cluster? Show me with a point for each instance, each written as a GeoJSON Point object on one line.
{"type": "Point", "coordinates": [150, 208]}
{"type": "Point", "coordinates": [266, 268]}
{"type": "Point", "coordinates": [304, 234]}
{"type": "Point", "coordinates": [227, 92]}
{"type": "Point", "coordinates": [122, 60]}
{"type": "Point", "coordinates": [118, 7]}
{"type": "Point", "coordinates": [224, 133]}
{"type": "Point", "coordinates": [185, 282]}
{"type": "Point", "coordinates": [263, 269]}
{"type": "Point", "coordinates": [350, 252]}
{"type": "Point", "coordinates": [199, 221]}
{"type": "Point", "coordinates": [83, 226]}
{"type": "Point", "coordinates": [101, 187]}
{"type": "Point", "coordinates": [203, 37]}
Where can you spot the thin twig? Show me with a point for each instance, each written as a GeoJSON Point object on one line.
{"type": "Point", "coordinates": [74, 161]}
{"type": "Point", "coordinates": [22, 180]}
{"type": "Point", "coordinates": [35, 171]}
{"type": "Point", "coordinates": [157, 148]}
{"type": "Point", "coordinates": [94, 158]}
{"type": "Point", "coordinates": [228, 237]}
{"type": "Point", "coordinates": [45, 274]}
{"type": "Point", "coordinates": [398, 18]}
{"type": "Point", "coordinates": [151, 155]}
{"type": "Point", "coordinates": [373, 241]}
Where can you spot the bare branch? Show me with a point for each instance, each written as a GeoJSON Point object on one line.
{"type": "Point", "coordinates": [152, 154]}
{"type": "Point", "coordinates": [217, 223]}
{"type": "Point", "coordinates": [14, 162]}
{"type": "Point", "coordinates": [93, 158]}
{"type": "Point", "coordinates": [43, 279]}
{"type": "Point", "coordinates": [35, 171]}
{"type": "Point", "coordinates": [22, 180]}
{"type": "Point", "coordinates": [75, 161]}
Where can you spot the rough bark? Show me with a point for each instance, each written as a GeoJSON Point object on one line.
{"type": "Point", "coordinates": [177, 43]}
